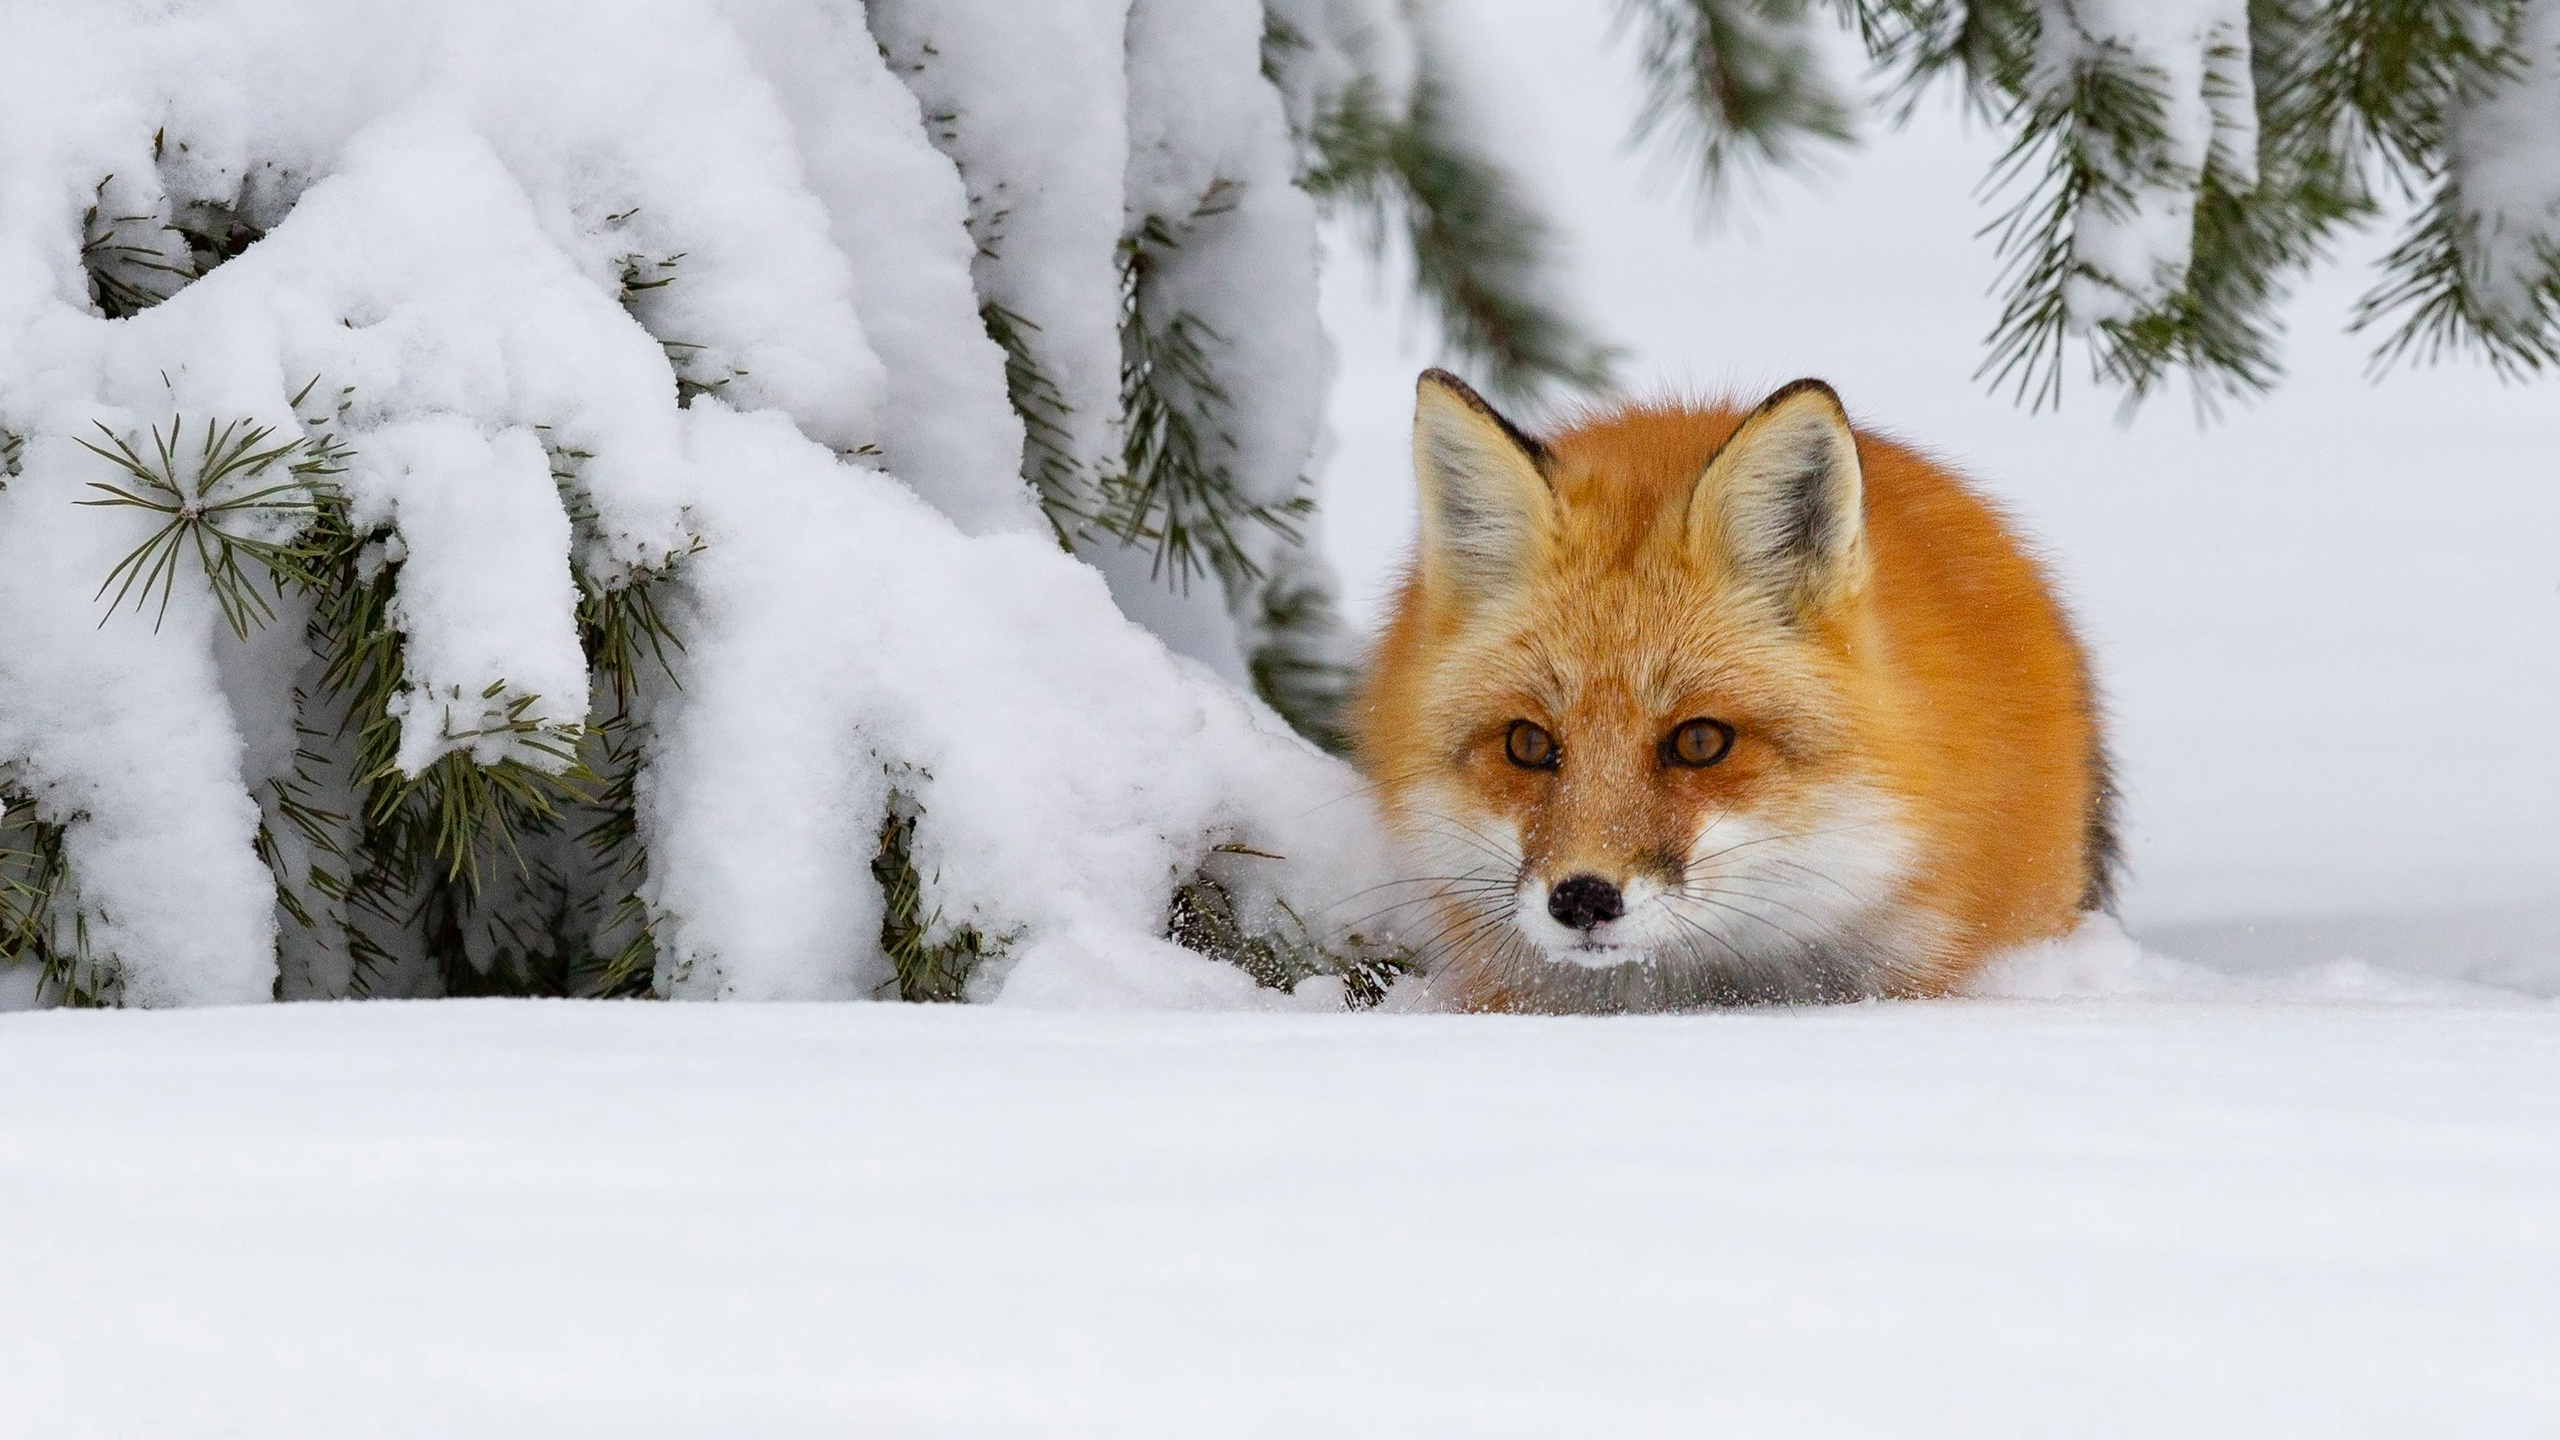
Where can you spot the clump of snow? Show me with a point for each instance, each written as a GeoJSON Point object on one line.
{"type": "Point", "coordinates": [121, 730]}
{"type": "Point", "coordinates": [2100, 961]}
{"type": "Point", "coordinates": [1067, 768]}
{"type": "Point", "coordinates": [1229, 242]}
{"type": "Point", "coordinates": [900, 215]}
{"type": "Point", "coordinates": [598, 292]}
{"type": "Point", "coordinates": [1031, 101]}
{"type": "Point", "coordinates": [2505, 151]}
{"type": "Point", "coordinates": [2133, 233]}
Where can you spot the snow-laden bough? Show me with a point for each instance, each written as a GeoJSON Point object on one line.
{"type": "Point", "coordinates": [561, 479]}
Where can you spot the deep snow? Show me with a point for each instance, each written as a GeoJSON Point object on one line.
{"type": "Point", "coordinates": [1978, 1218]}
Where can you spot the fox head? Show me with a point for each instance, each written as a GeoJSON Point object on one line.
{"type": "Point", "coordinates": [1616, 720]}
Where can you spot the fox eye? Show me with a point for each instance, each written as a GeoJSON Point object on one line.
{"type": "Point", "coordinates": [1698, 743]}
{"type": "Point", "coordinates": [1530, 747]}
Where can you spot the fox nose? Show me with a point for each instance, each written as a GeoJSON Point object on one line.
{"type": "Point", "coordinates": [1583, 901]}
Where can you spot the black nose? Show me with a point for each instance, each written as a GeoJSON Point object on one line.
{"type": "Point", "coordinates": [1583, 901]}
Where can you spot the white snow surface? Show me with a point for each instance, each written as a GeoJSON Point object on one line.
{"type": "Point", "coordinates": [2326, 1213]}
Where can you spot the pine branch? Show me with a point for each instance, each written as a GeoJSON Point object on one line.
{"type": "Point", "coordinates": [137, 261]}
{"type": "Point", "coordinates": [2393, 68]}
{"type": "Point", "coordinates": [2458, 283]}
{"type": "Point", "coordinates": [425, 846]}
{"type": "Point", "coordinates": [41, 920]}
{"type": "Point", "coordinates": [1066, 492]}
{"type": "Point", "coordinates": [2221, 328]}
{"type": "Point", "coordinates": [931, 961]}
{"type": "Point", "coordinates": [1483, 258]}
{"type": "Point", "coordinates": [1177, 489]}
{"type": "Point", "coordinates": [2434, 280]}
{"type": "Point", "coordinates": [1734, 87]}
{"type": "Point", "coordinates": [207, 512]}
{"type": "Point", "coordinates": [1297, 668]}
{"type": "Point", "coordinates": [1280, 955]}
{"type": "Point", "coordinates": [612, 840]}
{"type": "Point", "coordinates": [2343, 87]}
{"type": "Point", "coordinates": [2075, 139]}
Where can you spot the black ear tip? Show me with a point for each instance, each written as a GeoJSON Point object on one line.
{"type": "Point", "coordinates": [1806, 386]}
{"type": "Point", "coordinates": [1436, 378]}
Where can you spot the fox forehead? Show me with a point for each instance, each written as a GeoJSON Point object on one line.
{"type": "Point", "coordinates": [1594, 642]}
{"type": "Point", "coordinates": [1624, 482]}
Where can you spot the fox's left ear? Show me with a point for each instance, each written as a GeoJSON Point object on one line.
{"type": "Point", "coordinates": [1784, 502]}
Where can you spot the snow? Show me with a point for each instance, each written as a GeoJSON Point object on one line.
{"type": "Point", "coordinates": [592, 293]}
{"type": "Point", "coordinates": [2287, 1167]}
{"type": "Point", "coordinates": [1032, 103]}
{"type": "Point", "coordinates": [2133, 233]}
{"type": "Point", "coordinates": [2505, 151]}
{"type": "Point", "coordinates": [1985, 1218]}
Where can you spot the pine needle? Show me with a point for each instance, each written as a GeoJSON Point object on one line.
{"type": "Point", "coordinates": [201, 494]}
{"type": "Point", "coordinates": [1485, 261]}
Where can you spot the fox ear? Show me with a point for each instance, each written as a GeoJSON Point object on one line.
{"type": "Point", "coordinates": [1486, 506]}
{"type": "Point", "coordinates": [1784, 502]}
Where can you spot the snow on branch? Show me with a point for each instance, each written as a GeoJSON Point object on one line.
{"type": "Point", "coordinates": [2176, 164]}
{"type": "Point", "coordinates": [2481, 266]}
{"type": "Point", "coordinates": [505, 499]}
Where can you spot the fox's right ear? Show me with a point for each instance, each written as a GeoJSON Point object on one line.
{"type": "Point", "coordinates": [1784, 501]}
{"type": "Point", "coordinates": [1486, 507]}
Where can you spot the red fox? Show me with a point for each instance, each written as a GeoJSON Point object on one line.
{"type": "Point", "coordinates": [1688, 706]}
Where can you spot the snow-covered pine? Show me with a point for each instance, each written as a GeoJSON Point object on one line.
{"type": "Point", "coordinates": [2482, 265]}
{"type": "Point", "coordinates": [1030, 102]}
{"type": "Point", "coordinates": [557, 475]}
{"type": "Point", "coordinates": [1222, 366]}
{"type": "Point", "coordinates": [2157, 93]}
{"type": "Point", "coordinates": [2176, 163]}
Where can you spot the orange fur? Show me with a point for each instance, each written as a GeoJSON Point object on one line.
{"type": "Point", "coordinates": [1912, 715]}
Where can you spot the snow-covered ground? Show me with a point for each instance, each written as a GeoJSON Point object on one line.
{"type": "Point", "coordinates": [1996, 1217]}
{"type": "Point", "coordinates": [2309, 1185]}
